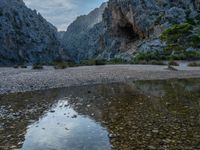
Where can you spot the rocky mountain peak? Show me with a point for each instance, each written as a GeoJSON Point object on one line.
{"type": "Point", "coordinates": [25, 36]}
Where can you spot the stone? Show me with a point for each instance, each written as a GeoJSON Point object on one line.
{"type": "Point", "coordinates": [151, 147]}
{"type": "Point", "coordinates": [52, 111]}
{"type": "Point", "coordinates": [74, 116]}
{"type": "Point", "coordinates": [155, 131]}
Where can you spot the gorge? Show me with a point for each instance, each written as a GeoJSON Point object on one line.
{"type": "Point", "coordinates": [117, 29]}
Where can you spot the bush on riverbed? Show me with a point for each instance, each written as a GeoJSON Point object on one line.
{"type": "Point", "coordinates": [23, 66]}
{"type": "Point", "coordinates": [19, 66]}
{"type": "Point", "coordinates": [16, 66]}
{"type": "Point", "coordinates": [117, 61]}
{"type": "Point", "coordinates": [63, 65]}
{"type": "Point", "coordinates": [173, 63]}
{"type": "Point", "coordinates": [94, 62]}
{"type": "Point", "coordinates": [156, 62]}
{"type": "Point", "coordinates": [60, 65]}
{"type": "Point", "coordinates": [150, 62]}
{"type": "Point", "coordinates": [37, 67]}
{"type": "Point", "coordinates": [194, 64]}
{"type": "Point", "coordinates": [99, 62]}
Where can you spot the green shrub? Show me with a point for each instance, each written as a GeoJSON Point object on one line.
{"type": "Point", "coordinates": [176, 31]}
{"type": "Point", "coordinates": [192, 55]}
{"type": "Point", "coordinates": [178, 37]}
{"type": "Point", "coordinates": [61, 65]}
{"type": "Point", "coordinates": [16, 66]}
{"type": "Point", "coordinates": [141, 62]}
{"type": "Point", "coordinates": [181, 36]}
{"type": "Point", "coordinates": [100, 62]}
{"type": "Point", "coordinates": [88, 62]}
{"type": "Point", "coordinates": [161, 56]}
{"type": "Point", "coordinates": [94, 62]}
{"type": "Point", "coordinates": [197, 17]}
{"type": "Point", "coordinates": [148, 56]}
{"type": "Point", "coordinates": [72, 64]}
{"type": "Point", "coordinates": [37, 67]}
{"type": "Point", "coordinates": [117, 61]}
{"type": "Point", "coordinates": [23, 66]}
{"type": "Point", "coordinates": [156, 62]}
{"type": "Point", "coordinates": [194, 40]}
{"type": "Point", "coordinates": [173, 63]}
{"type": "Point", "coordinates": [191, 21]}
{"type": "Point", "coordinates": [159, 18]}
{"type": "Point", "coordinates": [194, 64]}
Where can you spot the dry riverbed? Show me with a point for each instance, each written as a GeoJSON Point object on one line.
{"type": "Point", "coordinates": [20, 80]}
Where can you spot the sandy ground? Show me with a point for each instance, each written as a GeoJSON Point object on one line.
{"type": "Point", "coordinates": [21, 80]}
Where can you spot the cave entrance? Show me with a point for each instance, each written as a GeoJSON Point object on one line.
{"type": "Point", "coordinates": [127, 31]}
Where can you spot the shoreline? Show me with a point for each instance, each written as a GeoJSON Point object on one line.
{"type": "Point", "coordinates": [23, 80]}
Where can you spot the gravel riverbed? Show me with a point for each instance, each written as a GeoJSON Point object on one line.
{"type": "Point", "coordinates": [21, 80]}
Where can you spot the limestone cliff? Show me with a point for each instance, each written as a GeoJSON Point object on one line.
{"type": "Point", "coordinates": [25, 36]}
{"type": "Point", "coordinates": [81, 35]}
{"type": "Point", "coordinates": [129, 26]}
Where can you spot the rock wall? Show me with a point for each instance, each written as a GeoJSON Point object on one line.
{"type": "Point", "coordinates": [25, 36]}
{"type": "Point", "coordinates": [129, 26]}
{"type": "Point", "coordinates": [139, 23]}
{"type": "Point", "coordinates": [80, 36]}
{"type": "Point", "coordinates": [197, 4]}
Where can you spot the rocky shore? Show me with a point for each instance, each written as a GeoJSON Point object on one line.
{"type": "Point", "coordinates": [21, 80]}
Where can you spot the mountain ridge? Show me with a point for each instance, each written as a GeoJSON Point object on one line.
{"type": "Point", "coordinates": [118, 29]}
{"type": "Point", "coordinates": [25, 36]}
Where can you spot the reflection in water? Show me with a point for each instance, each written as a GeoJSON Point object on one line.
{"type": "Point", "coordinates": [138, 115]}
{"type": "Point", "coordinates": [65, 128]}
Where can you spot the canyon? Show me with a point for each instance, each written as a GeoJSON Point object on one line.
{"type": "Point", "coordinates": [118, 29]}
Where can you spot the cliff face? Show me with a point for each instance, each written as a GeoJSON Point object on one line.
{"type": "Point", "coordinates": [118, 29]}
{"type": "Point", "coordinates": [25, 36]}
{"type": "Point", "coordinates": [140, 22]}
{"type": "Point", "coordinates": [129, 26]}
{"type": "Point", "coordinates": [197, 4]}
{"type": "Point", "coordinates": [81, 35]}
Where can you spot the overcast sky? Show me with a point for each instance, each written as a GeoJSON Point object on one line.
{"type": "Point", "coordinates": [62, 12]}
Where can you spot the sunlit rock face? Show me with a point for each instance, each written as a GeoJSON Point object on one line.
{"type": "Point", "coordinates": [127, 27]}
{"type": "Point", "coordinates": [25, 36]}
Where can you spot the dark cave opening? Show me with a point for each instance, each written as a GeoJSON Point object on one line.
{"type": "Point", "coordinates": [127, 31]}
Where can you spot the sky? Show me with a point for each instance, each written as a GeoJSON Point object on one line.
{"type": "Point", "coordinates": [63, 12]}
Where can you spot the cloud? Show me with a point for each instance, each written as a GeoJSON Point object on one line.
{"type": "Point", "coordinates": [62, 12]}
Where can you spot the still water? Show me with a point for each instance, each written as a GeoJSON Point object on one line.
{"type": "Point", "coordinates": [124, 116]}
